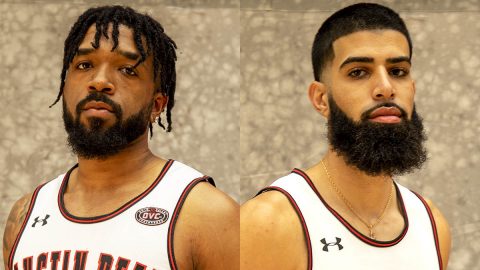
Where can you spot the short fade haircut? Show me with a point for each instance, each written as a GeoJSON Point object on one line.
{"type": "Point", "coordinates": [354, 18]}
{"type": "Point", "coordinates": [158, 44]}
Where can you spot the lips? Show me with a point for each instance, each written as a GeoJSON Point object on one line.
{"type": "Point", "coordinates": [386, 111]}
{"type": "Point", "coordinates": [97, 105]}
{"type": "Point", "coordinates": [386, 115]}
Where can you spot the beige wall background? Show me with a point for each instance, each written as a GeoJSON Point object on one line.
{"type": "Point", "coordinates": [205, 117]}
{"type": "Point", "coordinates": [243, 117]}
{"type": "Point", "coordinates": [280, 130]}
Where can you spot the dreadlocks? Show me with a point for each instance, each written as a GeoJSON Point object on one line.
{"type": "Point", "coordinates": [161, 46]}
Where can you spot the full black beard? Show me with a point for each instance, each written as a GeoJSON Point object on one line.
{"type": "Point", "coordinates": [377, 148]}
{"type": "Point", "coordinates": [99, 142]}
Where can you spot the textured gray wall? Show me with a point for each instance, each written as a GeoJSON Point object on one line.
{"type": "Point", "coordinates": [280, 130]}
{"type": "Point", "coordinates": [255, 99]}
{"type": "Point", "coordinates": [205, 118]}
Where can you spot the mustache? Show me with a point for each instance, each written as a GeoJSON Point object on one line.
{"type": "Point", "coordinates": [97, 96]}
{"type": "Point", "coordinates": [365, 115]}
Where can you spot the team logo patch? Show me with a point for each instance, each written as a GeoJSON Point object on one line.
{"type": "Point", "coordinates": [151, 216]}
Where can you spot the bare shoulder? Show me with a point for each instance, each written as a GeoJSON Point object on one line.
{"type": "Point", "coordinates": [269, 209]}
{"type": "Point", "coordinates": [210, 207]}
{"type": "Point", "coordinates": [208, 226]}
{"type": "Point", "coordinates": [271, 235]}
{"type": "Point", "coordinates": [269, 216]}
{"type": "Point", "coordinates": [443, 230]}
{"type": "Point", "coordinates": [13, 225]}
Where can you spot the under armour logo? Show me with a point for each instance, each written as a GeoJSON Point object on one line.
{"type": "Point", "coordinates": [326, 245]}
{"type": "Point", "coordinates": [42, 220]}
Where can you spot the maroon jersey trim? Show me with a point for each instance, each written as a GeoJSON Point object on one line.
{"type": "Point", "coordinates": [96, 219]}
{"type": "Point", "coordinates": [434, 229]}
{"type": "Point", "coordinates": [354, 231]}
{"type": "Point", "coordinates": [25, 221]}
{"type": "Point", "coordinates": [302, 221]}
{"type": "Point", "coordinates": [176, 213]}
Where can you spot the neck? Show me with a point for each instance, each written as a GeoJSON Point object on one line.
{"type": "Point", "coordinates": [97, 174]}
{"type": "Point", "coordinates": [367, 194]}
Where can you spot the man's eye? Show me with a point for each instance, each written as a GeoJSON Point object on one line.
{"type": "Point", "coordinates": [129, 71]}
{"type": "Point", "coordinates": [399, 72]}
{"type": "Point", "coordinates": [357, 73]}
{"type": "Point", "coordinates": [84, 65]}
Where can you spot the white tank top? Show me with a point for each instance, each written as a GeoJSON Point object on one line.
{"type": "Point", "coordinates": [137, 236]}
{"type": "Point", "coordinates": [332, 243]}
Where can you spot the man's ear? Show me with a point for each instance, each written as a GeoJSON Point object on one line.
{"type": "Point", "coordinates": [414, 88]}
{"type": "Point", "coordinates": [159, 104]}
{"type": "Point", "coordinates": [317, 93]}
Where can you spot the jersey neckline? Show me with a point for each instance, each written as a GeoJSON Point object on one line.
{"type": "Point", "coordinates": [121, 209]}
{"type": "Point", "coordinates": [354, 231]}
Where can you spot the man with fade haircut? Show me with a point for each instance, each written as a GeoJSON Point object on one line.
{"type": "Point", "coordinates": [121, 207]}
{"type": "Point", "coordinates": [347, 212]}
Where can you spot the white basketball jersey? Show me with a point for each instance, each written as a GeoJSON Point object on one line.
{"type": "Point", "coordinates": [137, 236]}
{"type": "Point", "coordinates": [332, 243]}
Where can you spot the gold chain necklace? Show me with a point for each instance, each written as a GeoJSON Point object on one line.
{"type": "Point", "coordinates": [349, 205]}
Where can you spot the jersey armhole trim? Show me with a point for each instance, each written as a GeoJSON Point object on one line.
{"type": "Point", "coordinates": [300, 216]}
{"type": "Point", "coordinates": [176, 213]}
{"type": "Point", "coordinates": [434, 229]}
{"type": "Point", "coordinates": [22, 229]}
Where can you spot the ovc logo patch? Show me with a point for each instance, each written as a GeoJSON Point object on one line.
{"type": "Point", "coordinates": [151, 216]}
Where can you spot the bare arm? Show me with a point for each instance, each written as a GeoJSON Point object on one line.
{"type": "Point", "coordinates": [208, 226]}
{"type": "Point", "coordinates": [14, 223]}
{"type": "Point", "coordinates": [444, 236]}
{"type": "Point", "coordinates": [271, 235]}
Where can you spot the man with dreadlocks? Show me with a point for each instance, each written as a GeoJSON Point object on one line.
{"type": "Point", "coordinates": [120, 207]}
{"type": "Point", "coordinates": [346, 211]}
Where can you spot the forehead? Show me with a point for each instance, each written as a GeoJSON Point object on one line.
{"type": "Point", "coordinates": [125, 37]}
{"type": "Point", "coordinates": [377, 44]}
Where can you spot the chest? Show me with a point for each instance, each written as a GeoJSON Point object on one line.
{"type": "Point", "coordinates": [333, 243]}
{"type": "Point", "coordinates": [138, 235]}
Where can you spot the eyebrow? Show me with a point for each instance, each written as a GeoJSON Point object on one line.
{"type": "Point", "coordinates": [399, 59]}
{"type": "Point", "coordinates": [362, 59]}
{"type": "Point", "coordinates": [85, 51]}
{"type": "Point", "coordinates": [129, 55]}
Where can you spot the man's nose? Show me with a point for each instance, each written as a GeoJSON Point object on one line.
{"type": "Point", "coordinates": [384, 89]}
{"type": "Point", "coordinates": [101, 81]}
